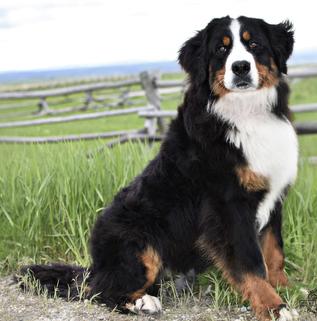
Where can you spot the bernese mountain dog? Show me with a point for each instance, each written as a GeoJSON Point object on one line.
{"type": "Point", "coordinates": [213, 195]}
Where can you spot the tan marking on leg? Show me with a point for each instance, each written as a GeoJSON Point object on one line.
{"type": "Point", "coordinates": [261, 295]}
{"type": "Point", "coordinates": [250, 180]}
{"type": "Point", "coordinates": [152, 262]}
{"type": "Point", "coordinates": [268, 76]}
{"type": "Point", "coordinates": [246, 36]}
{"type": "Point", "coordinates": [274, 259]}
{"type": "Point", "coordinates": [226, 40]}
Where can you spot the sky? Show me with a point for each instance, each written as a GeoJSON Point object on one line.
{"type": "Point", "coordinates": [48, 34]}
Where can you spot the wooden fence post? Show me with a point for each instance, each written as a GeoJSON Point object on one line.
{"type": "Point", "coordinates": [89, 99]}
{"type": "Point", "coordinates": [43, 107]}
{"type": "Point", "coordinates": [148, 82]}
{"type": "Point", "coordinates": [124, 96]}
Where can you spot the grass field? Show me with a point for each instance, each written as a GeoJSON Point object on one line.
{"type": "Point", "coordinates": [50, 196]}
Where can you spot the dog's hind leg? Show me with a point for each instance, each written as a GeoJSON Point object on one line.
{"type": "Point", "coordinates": [272, 249]}
{"type": "Point", "coordinates": [140, 301]}
{"type": "Point", "coordinates": [274, 258]}
{"type": "Point", "coordinates": [124, 281]}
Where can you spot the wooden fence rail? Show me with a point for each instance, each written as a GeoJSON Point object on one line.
{"type": "Point", "coordinates": [152, 89]}
{"type": "Point", "coordinates": [302, 128]}
{"type": "Point", "coordinates": [68, 90]}
{"type": "Point", "coordinates": [65, 119]}
{"type": "Point", "coordinates": [304, 108]}
{"type": "Point", "coordinates": [297, 73]}
{"type": "Point", "coordinates": [66, 138]}
{"type": "Point", "coordinates": [88, 89]}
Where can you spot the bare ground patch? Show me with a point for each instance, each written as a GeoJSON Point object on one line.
{"type": "Point", "coordinates": [16, 305]}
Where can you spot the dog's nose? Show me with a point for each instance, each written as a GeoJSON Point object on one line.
{"type": "Point", "coordinates": [241, 67]}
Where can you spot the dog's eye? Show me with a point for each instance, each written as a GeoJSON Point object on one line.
{"type": "Point", "coordinates": [222, 49]}
{"type": "Point", "coordinates": [253, 45]}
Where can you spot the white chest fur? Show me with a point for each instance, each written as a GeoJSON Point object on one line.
{"type": "Point", "coordinates": [268, 143]}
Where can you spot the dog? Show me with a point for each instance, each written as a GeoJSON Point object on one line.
{"type": "Point", "coordinates": [213, 195]}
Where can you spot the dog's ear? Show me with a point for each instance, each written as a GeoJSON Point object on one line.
{"type": "Point", "coordinates": [282, 42]}
{"type": "Point", "coordinates": [192, 57]}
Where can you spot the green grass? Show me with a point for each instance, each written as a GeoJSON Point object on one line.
{"type": "Point", "coordinates": [304, 91]}
{"type": "Point", "coordinates": [50, 196]}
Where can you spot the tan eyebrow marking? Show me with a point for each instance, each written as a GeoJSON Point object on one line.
{"type": "Point", "coordinates": [226, 40]}
{"type": "Point", "coordinates": [246, 36]}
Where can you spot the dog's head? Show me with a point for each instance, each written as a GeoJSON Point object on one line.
{"type": "Point", "coordinates": [238, 55]}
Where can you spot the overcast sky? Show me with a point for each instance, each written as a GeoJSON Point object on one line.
{"type": "Point", "coordinates": [39, 34]}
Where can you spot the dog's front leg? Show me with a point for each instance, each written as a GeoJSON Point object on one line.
{"type": "Point", "coordinates": [236, 251]}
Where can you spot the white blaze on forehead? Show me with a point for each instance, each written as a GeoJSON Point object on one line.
{"type": "Point", "coordinates": [238, 53]}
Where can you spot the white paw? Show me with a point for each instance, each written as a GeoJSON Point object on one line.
{"type": "Point", "coordinates": [147, 304]}
{"type": "Point", "coordinates": [288, 315]}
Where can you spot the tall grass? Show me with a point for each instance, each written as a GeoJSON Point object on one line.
{"type": "Point", "coordinates": [51, 195]}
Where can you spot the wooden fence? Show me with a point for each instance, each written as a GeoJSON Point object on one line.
{"type": "Point", "coordinates": [153, 90]}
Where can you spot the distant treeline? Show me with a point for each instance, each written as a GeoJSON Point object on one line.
{"type": "Point", "coordinates": [87, 72]}
{"type": "Point", "coordinates": [118, 70]}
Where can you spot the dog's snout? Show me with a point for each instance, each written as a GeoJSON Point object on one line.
{"type": "Point", "coordinates": [241, 67]}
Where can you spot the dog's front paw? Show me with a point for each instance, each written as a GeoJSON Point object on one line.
{"type": "Point", "coordinates": [146, 305]}
{"type": "Point", "coordinates": [282, 313]}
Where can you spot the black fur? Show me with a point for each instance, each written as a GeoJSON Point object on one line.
{"type": "Point", "coordinates": [189, 190]}
{"type": "Point", "coordinates": [68, 279]}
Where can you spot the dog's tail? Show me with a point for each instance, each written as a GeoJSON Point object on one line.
{"type": "Point", "coordinates": [66, 281]}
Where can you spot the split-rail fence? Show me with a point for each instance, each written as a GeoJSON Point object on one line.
{"type": "Point", "coordinates": [153, 90]}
